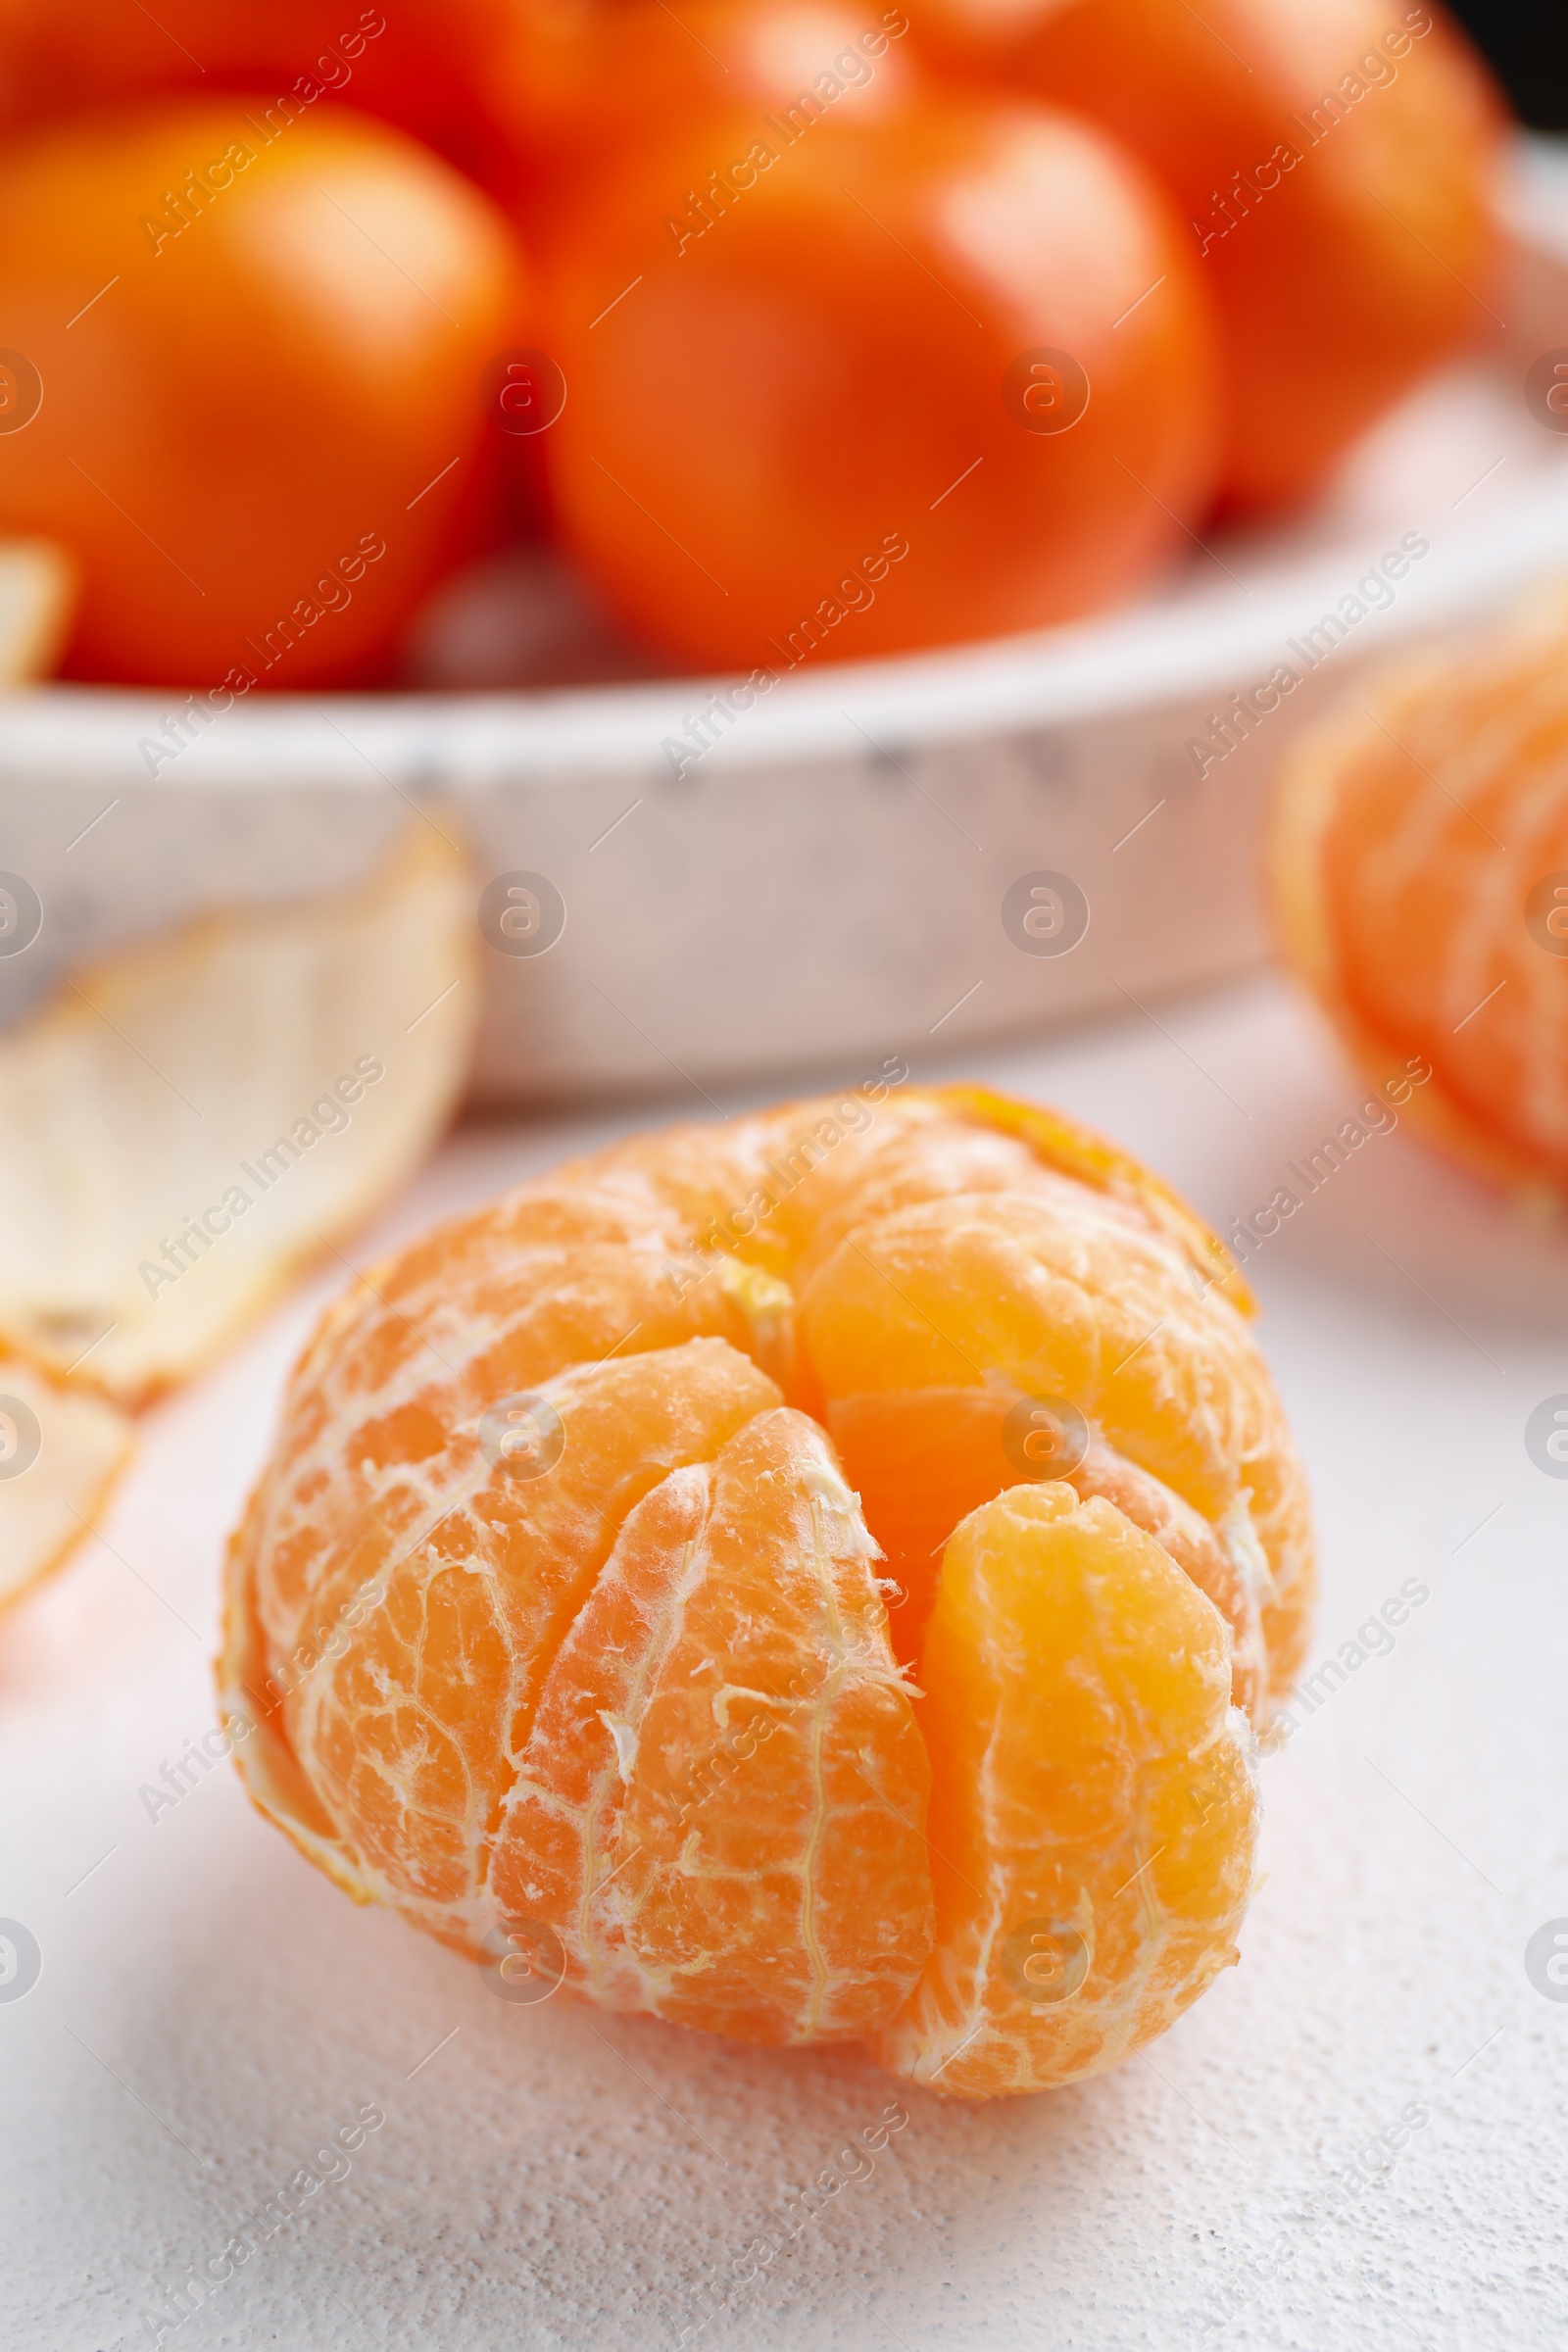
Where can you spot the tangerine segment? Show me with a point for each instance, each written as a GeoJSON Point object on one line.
{"type": "Point", "coordinates": [400, 1362]}
{"type": "Point", "coordinates": [1418, 852]}
{"type": "Point", "coordinates": [516, 1316]}
{"type": "Point", "coordinates": [799, 1188]}
{"type": "Point", "coordinates": [1056, 1142]}
{"type": "Point", "coordinates": [444, 1602]}
{"type": "Point", "coordinates": [1020, 1297]}
{"type": "Point", "coordinates": [971, 1443]}
{"type": "Point", "coordinates": [778, 1188]}
{"type": "Point", "coordinates": [1094, 1811]}
{"type": "Point", "coordinates": [721, 1802]}
{"type": "Point", "coordinates": [1226, 1562]}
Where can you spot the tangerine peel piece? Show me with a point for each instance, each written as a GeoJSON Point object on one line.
{"type": "Point", "coordinates": [61, 1451]}
{"type": "Point", "coordinates": [193, 1119]}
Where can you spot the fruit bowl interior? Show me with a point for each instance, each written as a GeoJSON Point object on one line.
{"type": "Point", "coordinates": [824, 870]}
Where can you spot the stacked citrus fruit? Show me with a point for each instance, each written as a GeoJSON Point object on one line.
{"type": "Point", "coordinates": [1332, 161]}
{"type": "Point", "coordinates": [562, 1620]}
{"type": "Point", "coordinates": [807, 329]}
{"type": "Point", "coordinates": [1420, 864]}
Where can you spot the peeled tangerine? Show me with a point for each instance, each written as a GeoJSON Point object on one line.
{"type": "Point", "coordinates": [565, 1628]}
{"type": "Point", "coordinates": [1420, 862]}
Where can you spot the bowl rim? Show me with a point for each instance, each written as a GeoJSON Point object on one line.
{"type": "Point", "coordinates": [1170, 651]}
{"type": "Point", "coordinates": [1185, 638]}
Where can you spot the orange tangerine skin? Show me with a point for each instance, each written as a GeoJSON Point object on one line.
{"type": "Point", "coordinates": [243, 417]}
{"type": "Point", "coordinates": [1414, 852]}
{"type": "Point", "coordinates": [425, 65]}
{"type": "Point", "coordinates": [643, 1689]}
{"type": "Point", "coordinates": [581, 80]}
{"type": "Point", "coordinates": [1346, 253]}
{"type": "Point", "coordinates": [765, 460]}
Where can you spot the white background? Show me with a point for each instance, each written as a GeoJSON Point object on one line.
{"type": "Point", "coordinates": [210, 2009]}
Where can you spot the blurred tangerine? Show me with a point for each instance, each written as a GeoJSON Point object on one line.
{"type": "Point", "coordinates": [1420, 877]}
{"type": "Point", "coordinates": [257, 334]}
{"type": "Point", "coordinates": [1334, 164]}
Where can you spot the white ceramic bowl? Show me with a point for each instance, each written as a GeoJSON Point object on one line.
{"type": "Point", "coordinates": [831, 879]}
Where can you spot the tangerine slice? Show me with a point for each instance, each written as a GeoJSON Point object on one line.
{"type": "Point", "coordinates": [563, 1624]}
{"type": "Point", "coordinates": [1094, 1809]}
{"type": "Point", "coordinates": [973, 1441]}
{"type": "Point", "coordinates": [475, 1569]}
{"type": "Point", "coordinates": [933, 1331]}
{"type": "Point", "coordinates": [1419, 859]}
{"type": "Point", "coordinates": [723, 1793]}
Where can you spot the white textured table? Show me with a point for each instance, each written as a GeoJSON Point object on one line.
{"type": "Point", "coordinates": [210, 2010]}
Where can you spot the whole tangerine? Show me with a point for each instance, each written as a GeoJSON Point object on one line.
{"type": "Point", "coordinates": [1334, 163]}
{"type": "Point", "coordinates": [244, 387]}
{"type": "Point", "coordinates": [861, 374]}
{"type": "Point", "coordinates": [426, 66]}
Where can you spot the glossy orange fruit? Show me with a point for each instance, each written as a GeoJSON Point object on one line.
{"type": "Point", "coordinates": [424, 66]}
{"type": "Point", "coordinates": [561, 1621]}
{"type": "Point", "coordinates": [579, 80]}
{"type": "Point", "coordinates": [1420, 871]}
{"type": "Point", "coordinates": [850, 376]}
{"type": "Point", "coordinates": [243, 381]}
{"type": "Point", "coordinates": [1332, 161]}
